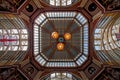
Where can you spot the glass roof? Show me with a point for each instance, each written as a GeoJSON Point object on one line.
{"type": "Point", "coordinates": [60, 76]}
{"type": "Point", "coordinates": [76, 49]}
{"type": "Point", "coordinates": [102, 32]}
{"type": "Point", "coordinates": [60, 2]}
{"type": "Point", "coordinates": [13, 38]}
{"type": "Point", "coordinates": [106, 43]}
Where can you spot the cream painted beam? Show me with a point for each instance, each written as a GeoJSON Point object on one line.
{"type": "Point", "coordinates": [37, 3]}
{"type": "Point", "coordinates": [25, 62]}
{"type": "Point", "coordinates": [99, 14]}
{"type": "Point", "coordinates": [37, 76]}
{"type": "Point", "coordinates": [83, 75]}
{"type": "Point", "coordinates": [97, 62]}
{"type": "Point", "coordinates": [25, 17]}
{"type": "Point", "coordinates": [83, 3]}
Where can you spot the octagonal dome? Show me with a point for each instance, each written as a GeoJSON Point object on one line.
{"type": "Point", "coordinates": [75, 50]}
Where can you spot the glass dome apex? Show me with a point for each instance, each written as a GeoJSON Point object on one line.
{"type": "Point", "coordinates": [76, 49]}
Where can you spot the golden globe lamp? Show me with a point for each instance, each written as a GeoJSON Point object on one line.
{"type": "Point", "coordinates": [60, 46]}
{"type": "Point", "coordinates": [54, 35]}
{"type": "Point", "coordinates": [67, 36]}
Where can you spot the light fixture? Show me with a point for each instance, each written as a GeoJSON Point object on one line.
{"type": "Point", "coordinates": [54, 35]}
{"type": "Point", "coordinates": [67, 36]}
{"type": "Point", "coordinates": [61, 39]}
{"type": "Point", "coordinates": [60, 46]}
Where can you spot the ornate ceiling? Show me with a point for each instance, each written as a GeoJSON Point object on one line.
{"type": "Point", "coordinates": [75, 51]}
{"type": "Point", "coordinates": [29, 50]}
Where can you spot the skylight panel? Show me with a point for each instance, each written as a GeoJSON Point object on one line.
{"type": "Point", "coordinates": [40, 19]}
{"type": "Point", "coordinates": [97, 30]}
{"type": "Point", "coordinates": [12, 37]}
{"type": "Point", "coordinates": [40, 60]}
{"type": "Point", "coordinates": [104, 21]}
{"type": "Point", "coordinates": [58, 3]}
{"type": "Point", "coordinates": [41, 36]}
{"type": "Point", "coordinates": [97, 47]}
{"type": "Point", "coordinates": [15, 48]}
{"type": "Point", "coordinates": [60, 64]}
{"type": "Point", "coordinates": [14, 31]}
{"type": "Point", "coordinates": [79, 61]}
{"type": "Point", "coordinates": [24, 48]}
{"type": "Point", "coordinates": [52, 75]}
{"type": "Point", "coordinates": [78, 16]}
{"type": "Point", "coordinates": [52, 2]}
{"type": "Point", "coordinates": [82, 59]}
{"type": "Point", "coordinates": [63, 2]}
{"type": "Point", "coordinates": [81, 19]}
{"type": "Point", "coordinates": [69, 2]}
{"type": "Point", "coordinates": [69, 75]}
{"type": "Point", "coordinates": [61, 76]}
{"type": "Point", "coordinates": [37, 21]}
{"type": "Point", "coordinates": [60, 14]}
